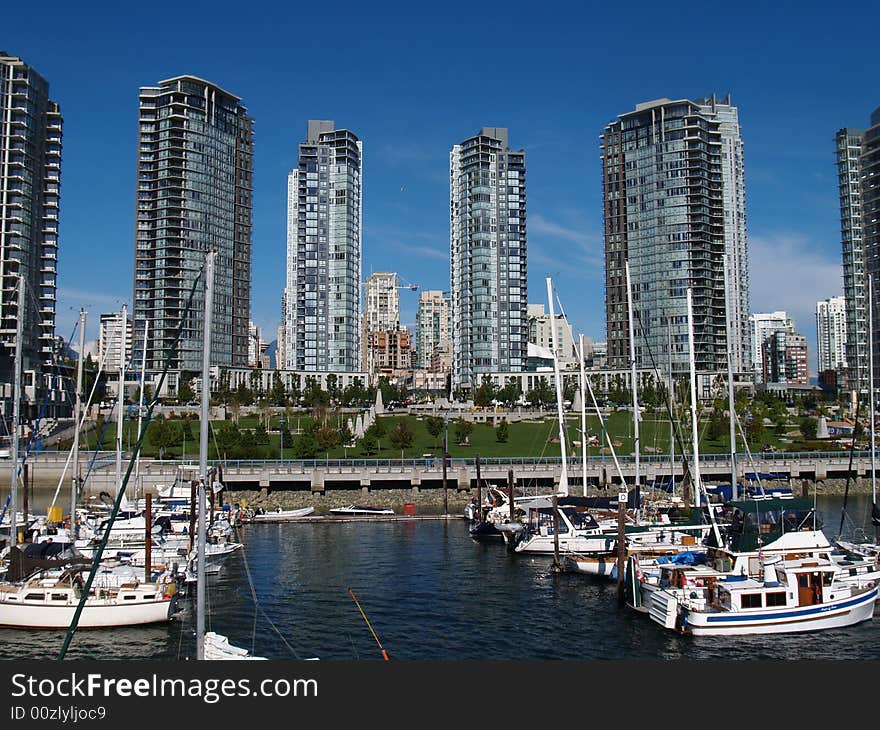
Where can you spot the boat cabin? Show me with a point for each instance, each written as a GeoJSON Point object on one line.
{"type": "Point", "coordinates": [750, 524]}
{"type": "Point", "coordinates": [783, 584]}
{"type": "Point", "coordinates": [540, 521]}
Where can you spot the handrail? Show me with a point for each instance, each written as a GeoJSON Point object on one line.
{"type": "Point", "coordinates": [437, 463]}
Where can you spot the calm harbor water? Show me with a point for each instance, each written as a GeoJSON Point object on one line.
{"type": "Point", "coordinates": [430, 592]}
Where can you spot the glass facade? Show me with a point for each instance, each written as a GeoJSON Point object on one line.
{"type": "Point", "coordinates": [855, 286]}
{"type": "Point", "coordinates": [30, 180]}
{"type": "Point", "coordinates": [432, 326]}
{"type": "Point", "coordinates": [324, 213]}
{"type": "Point", "coordinates": [487, 183]}
{"type": "Point", "coordinates": [194, 195]}
{"type": "Point", "coordinates": [674, 208]}
{"type": "Point", "coordinates": [870, 190]}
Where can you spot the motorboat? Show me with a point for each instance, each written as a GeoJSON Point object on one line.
{"type": "Point", "coordinates": [790, 596]}
{"type": "Point", "coordinates": [574, 529]}
{"type": "Point", "coordinates": [276, 515]}
{"type": "Point", "coordinates": [354, 510]}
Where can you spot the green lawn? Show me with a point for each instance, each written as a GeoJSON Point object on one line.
{"type": "Point", "coordinates": [526, 439]}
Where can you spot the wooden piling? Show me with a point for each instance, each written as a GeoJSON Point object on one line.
{"type": "Point", "coordinates": [510, 484]}
{"type": "Point", "coordinates": [479, 491]}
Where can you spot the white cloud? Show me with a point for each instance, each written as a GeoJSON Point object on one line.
{"type": "Point", "coordinates": [788, 272]}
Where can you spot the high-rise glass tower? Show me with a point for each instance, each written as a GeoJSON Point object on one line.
{"type": "Point", "coordinates": [674, 203]}
{"type": "Point", "coordinates": [194, 195]}
{"type": "Point", "coordinates": [870, 189]}
{"type": "Point", "coordinates": [831, 334]}
{"type": "Point", "coordinates": [324, 213]}
{"type": "Point", "coordinates": [487, 217]}
{"type": "Point", "coordinates": [30, 179]}
{"type": "Point", "coordinates": [855, 285]}
{"type": "Point", "coordinates": [432, 326]}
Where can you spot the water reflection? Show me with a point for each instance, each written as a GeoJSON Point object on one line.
{"type": "Point", "coordinates": [430, 592]}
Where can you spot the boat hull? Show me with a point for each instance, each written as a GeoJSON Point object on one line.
{"type": "Point", "coordinates": [93, 616]}
{"type": "Point", "coordinates": [788, 620]}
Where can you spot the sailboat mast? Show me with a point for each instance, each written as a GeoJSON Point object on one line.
{"type": "Point", "coordinates": [695, 438]}
{"type": "Point", "coordinates": [734, 485]}
{"type": "Point", "coordinates": [563, 478]}
{"type": "Point", "coordinates": [671, 410]}
{"type": "Point", "coordinates": [583, 416]}
{"type": "Point", "coordinates": [635, 389]}
{"type": "Point", "coordinates": [137, 461]}
{"type": "Point", "coordinates": [871, 389]}
{"type": "Point", "coordinates": [203, 456]}
{"type": "Point", "coordinates": [74, 482]}
{"type": "Point", "coordinates": [120, 396]}
{"type": "Point", "coordinates": [16, 412]}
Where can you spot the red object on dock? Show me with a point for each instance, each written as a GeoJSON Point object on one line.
{"type": "Point", "coordinates": [409, 508]}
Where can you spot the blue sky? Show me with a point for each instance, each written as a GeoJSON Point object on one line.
{"type": "Point", "coordinates": [412, 82]}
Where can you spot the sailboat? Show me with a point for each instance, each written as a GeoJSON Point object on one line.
{"type": "Point", "coordinates": [578, 532]}
{"type": "Point", "coordinates": [752, 581]}
{"type": "Point", "coordinates": [868, 548]}
{"type": "Point", "coordinates": [67, 591]}
{"type": "Point", "coordinates": [210, 645]}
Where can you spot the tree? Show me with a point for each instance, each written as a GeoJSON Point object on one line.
{"type": "Point", "coordinates": [184, 387]}
{"type": "Point", "coordinates": [369, 445]}
{"type": "Point", "coordinates": [278, 393]}
{"type": "Point", "coordinates": [186, 434]}
{"type": "Point", "coordinates": [333, 387]}
{"type": "Point", "coordinates": [313, 395]}
{"type": "Point", "coordinates": [463, 429]}
{"type": "Point", "coordinates": [228, 438]}
{"type": "Point", "coordinates": [305, 446]}
{"type": "Point", "coordinates": [435, 426]}
{"type": "Point", "coordinates": [243, 395]}
{"type": "Point", "coordinates": [809, 426]}
{"type": "Point", "coordinates": [261, 435]}
{"type": "Point", "coordinates": [162, 435]}
{"type": "Point", "coordinates": [502, 432]}
{"type": "Point", "coordinates": [327, 438]}
{"type": "Point", "coordinates": [510, 393]}
{"type": "Point", "coordinates": [486, 393]}
{"type": "Point", "coordinates": [401, 436]}
{"type": "Point", "coordinates": [345, 435]}
{"type": "Point", "coordinates": [541, 394]}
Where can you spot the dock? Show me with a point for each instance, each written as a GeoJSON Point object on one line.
{"type": "Point", "coordinates": [321, 519]}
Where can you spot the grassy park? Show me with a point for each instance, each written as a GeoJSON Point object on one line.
{"type": "Point", "coordinates": [303, 435]}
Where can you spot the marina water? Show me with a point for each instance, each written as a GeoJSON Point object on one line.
{"type": "Point", "coordinates": [430, 593]}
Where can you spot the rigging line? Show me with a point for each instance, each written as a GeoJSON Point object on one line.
{"type": "Point", "coordinates": [852, 448]}
{"type": "Point", "coordinates": [749, 453]}
{"type": "Point", "coordinates": [675, 427]}
{"type": "Point", "coordinates": [98, 554]}
{"type": "Point", "coordinates": [107, 422]}
{"type": "Point", "coordinates": [79, 427]}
